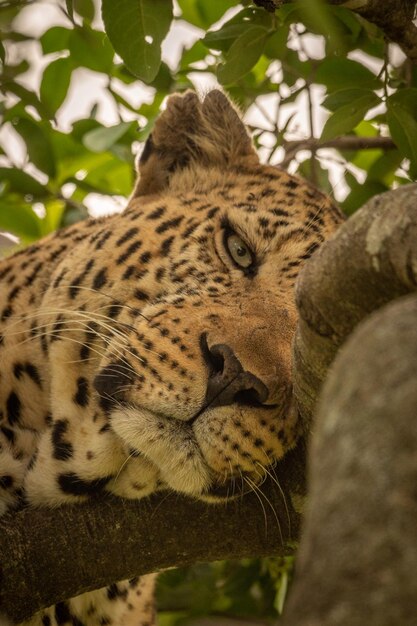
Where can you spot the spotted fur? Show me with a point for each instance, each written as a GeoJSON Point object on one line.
{"type": "Point", "coordinates": [138, 354]}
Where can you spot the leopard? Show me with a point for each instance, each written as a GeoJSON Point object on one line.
{"type": "Point", "coordinates": [151, 350]}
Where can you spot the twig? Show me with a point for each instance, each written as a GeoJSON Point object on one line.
{"type": "Point", "coordinates": [347, 142]}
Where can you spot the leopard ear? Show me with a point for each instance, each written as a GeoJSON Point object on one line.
{"type": "Point", "coordinates": [190, 132]}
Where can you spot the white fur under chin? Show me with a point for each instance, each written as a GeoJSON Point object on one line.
{"type": "Point", "coordinates": [168, 443]}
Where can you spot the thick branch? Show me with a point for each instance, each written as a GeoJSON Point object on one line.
{"type": "Point", "coordinates": [111, 539]}
{"type": "Point", "coordinates": [359, 549]}
{"type": "Point", "coordinates": [371, 260]}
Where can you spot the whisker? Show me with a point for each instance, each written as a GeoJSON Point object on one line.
{"type": "Point", "coordinates": [122, 466]}
{"type": "Point", "coordinates": [276, 481]}
{"type": "Point", "coordinates": [67, 285]}
{"type": "Point", "coordinates": [255, 491]}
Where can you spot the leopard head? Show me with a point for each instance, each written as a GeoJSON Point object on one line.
{"type": "Point", "coordinates": [198, 378]}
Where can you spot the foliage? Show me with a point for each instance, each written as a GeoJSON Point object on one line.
{"type": "Point", "coordinates": [251, 588]}
{"type": "Point", "coordinates": [309, 73]}
{"type": "Point", "coordinates": [294, 67]}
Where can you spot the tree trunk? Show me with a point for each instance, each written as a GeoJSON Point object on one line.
{"type": "Point", "coordinates": [358, 555]}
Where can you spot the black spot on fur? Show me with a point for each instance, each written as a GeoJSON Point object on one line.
{"type": "Point", "coordinates": [100, 279]}
{"type": "Point", "coordinates": [134, 246]}
{"type": "Point", "coordinates": [113, 592]}
{"type": "Point", "coordinates": [62, 613]}
{"type": "Point", "coordinates": [13, 407]}
{"type": "Point", "coordinates": [33, 373]}
{"type": "Point", "coordinates": [74, 485]}
{"type": "Point", "coordinates": [141, 295]}
{"type": "Point", "coordinates": [164, 226]}
{"type": "Point", "coordinates": [127, 235]}
{"type": "Point", "coordinates": [8, 433]}
{"type": "Point", "coordinates": [166, 245]}
{"type": "Point", "coordinates": [62, 450]}
{"type": "Point", "coordinates": [6, 481]}
{"type": "Point", "coordinates": [7, 312]}
{"type": "Point", "coordinates": [145, 257]}
{"type": "Point", "coordinates": [81, 396]}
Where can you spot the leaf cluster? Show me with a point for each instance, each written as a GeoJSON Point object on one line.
{"type": "Point", "coordinates": [307, 60]}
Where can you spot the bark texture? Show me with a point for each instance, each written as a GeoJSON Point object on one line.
{"type": "Point", "coordinates": [358, 554]}
{"type": "Point", "coordinates": [50, 555]}
{"type": "Point", "coordinates": [371, 260]}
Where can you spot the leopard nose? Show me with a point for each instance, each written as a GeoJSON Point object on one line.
{"type": "Point", "coordinates": [228, 382]}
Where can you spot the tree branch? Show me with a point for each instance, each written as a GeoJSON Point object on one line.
{"type": "Point", "coordinates": [359, 546]}
{"type": "Point", "coordinates": [345, 142]}
{"type": "Point", "coordinates": [111, 539]}
{"type": "Point", "coordinates": [371, 260]}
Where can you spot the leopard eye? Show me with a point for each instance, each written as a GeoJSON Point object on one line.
{"type": "Point", "coordinates": [239, 251]}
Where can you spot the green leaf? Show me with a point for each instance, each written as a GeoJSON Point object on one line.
{"type": "Point", "coordinates": [384, 168]}
{"type": "Point", "coordinates": [243, 54]}
{"type": "Point", "coordinates": [103, 138]}
{"type": "Point", "coordinates": [38, 145]}
{"type": "Point", "coordinates": [276, 46]}
{"type": "Point", "coordinates": [22, 183]}
{"type": "Point", "coordinates": [337, 73]}
{"type": "Point", "coordinates": [402, 122]}
{"type": "Point", "coordinates": [360, 193]}
{"type": "Point", "coordinates": [73, 214]}
{"type": "Point", "coordinates": [197, 52]}
{"type": "Point", "coordinates": [91, 48]}
{"type": "Point", "coordinates": [85, 8]}
{"type": "Point", "coordinates": [223, 38]}
{"type": "Point", "coordinates": [55, 83]}
{"type": "Point", "coordinates": [202, 13]}
{"type": "Point", "coordinates": [11, 71]}
{"type": "Point", "coordinates": [313, 171]}
{"type": "Point", "coordinates": [54, 210]}
{"type": "Point", "coordinates": [28, 97]}
{"type": "Point", "coordinates": [136, 29]}
{"type": "Point", "coordinates": [163, 81]}
{"type": "Point", "coordinates": [348, 116]}
{"type": "Point", "coordinates": [19, 219]}
{"type": "Point", "coordinates": [112, 177]}
{"type": "Point", "coordinates": [343, 97]}
{"type": "Point", "coordinates": [55, 39]}
{"type": "Point", "coordinates": [294, 68]}
{"type": "Point", "coordinates": [2, 52]}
